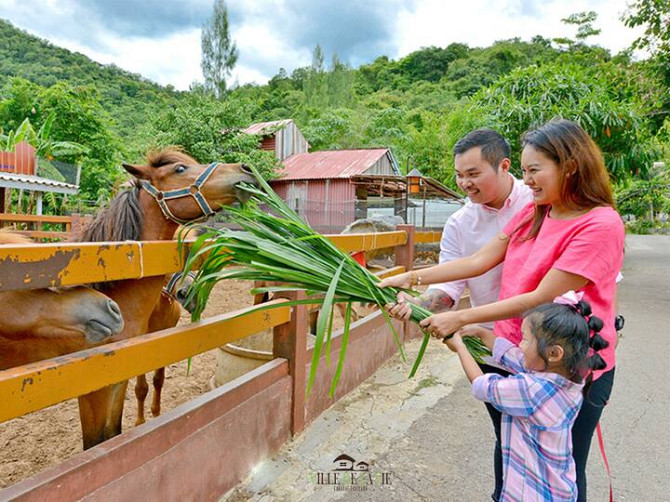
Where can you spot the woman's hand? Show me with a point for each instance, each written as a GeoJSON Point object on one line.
{"type": "Point", "coordinates": [441, 325]}
{"type": "Point", "coordinates": [397, 281]}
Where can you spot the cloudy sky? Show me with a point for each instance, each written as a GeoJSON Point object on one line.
{"type": "Point", "coordinates": [160, 39]}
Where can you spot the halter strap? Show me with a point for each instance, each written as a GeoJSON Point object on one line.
{"type": "Point", "coordinates": [168, 289]}
{"type": "Point", "coordinates": [192, 191]}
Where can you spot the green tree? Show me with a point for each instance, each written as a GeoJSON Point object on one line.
{"type": "Point", "coordinates": [219, 52]}
{"type": "Point", "coordinates": [209, 130]}
{"type": "Point", "coordinates": [315, 84]}
{"type": "Point", "coordinates": [531, 96]}
{"type": "Point", "coordinates": [654, 16]}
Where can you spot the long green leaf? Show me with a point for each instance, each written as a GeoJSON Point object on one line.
{"type": "Point", "coordinates": [321, 327]}
{"type": "Point", "coordinates": [343, 350]}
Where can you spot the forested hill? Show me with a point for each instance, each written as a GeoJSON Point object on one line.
{"type": "Point", "coordinates": [37, 60]}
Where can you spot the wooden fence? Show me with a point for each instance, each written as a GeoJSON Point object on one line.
{"type": "Point", "coordinates": [252, 415]}
{"type": "Point", "coordinates": [31, 225]}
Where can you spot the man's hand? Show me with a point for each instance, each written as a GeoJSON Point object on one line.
{"type": "Point", "coordinates": [401, 310]}
{"type": "Point", "coordinates": [434, 300]}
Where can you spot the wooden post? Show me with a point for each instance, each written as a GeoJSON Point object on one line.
{"type": "Point", "coordinates": [404, 255]}
{"type": "Point", "coordinates": [75, 223]}
{"type": "Point", "coordinates": [290, 342]}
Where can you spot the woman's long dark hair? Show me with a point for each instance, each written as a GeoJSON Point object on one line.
{"type": "Point", "coordinates": [585, 183]}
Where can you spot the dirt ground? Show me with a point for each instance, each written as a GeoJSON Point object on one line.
{"type": "Point", "coordinates": [31, 443]}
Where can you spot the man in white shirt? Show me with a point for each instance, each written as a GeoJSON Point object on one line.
{"type": "Point", "coordinates": [481, 160]}
{"type": "Point", "coordinates": [482, 163]}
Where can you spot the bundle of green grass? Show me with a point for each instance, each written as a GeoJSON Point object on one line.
{"type": "Point", "coordinates": [277, 246]}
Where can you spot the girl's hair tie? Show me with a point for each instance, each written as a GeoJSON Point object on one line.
{"type": "Point", "coordinates": [570, 298]}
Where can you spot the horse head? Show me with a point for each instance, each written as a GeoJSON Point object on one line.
{"type": "Point", "coordinates": [44, 323]}
{"type": "Point", "coordinates": [187, 191]}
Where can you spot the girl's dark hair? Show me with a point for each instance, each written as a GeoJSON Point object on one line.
{"type": "Point", "coordinates": [570, 327]}
{"type": "Point", "coordinates": [577, 155]}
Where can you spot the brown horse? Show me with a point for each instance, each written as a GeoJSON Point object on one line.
{"type": "Point", "coordinates": [170, 190]}
{"type": "Point", "coordinates": [44, 323]}
{"type": "Point", "coordinates": [165, 315]}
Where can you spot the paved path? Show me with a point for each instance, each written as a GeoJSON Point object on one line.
{"type": "Point", "coordinates": [433, 441]}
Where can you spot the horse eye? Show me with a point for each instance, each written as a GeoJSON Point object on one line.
{"type": "Point", "coordinates": [180, 169]}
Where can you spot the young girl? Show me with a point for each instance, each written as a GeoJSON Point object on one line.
{"type": "Point", "coordinates": [540, 400]}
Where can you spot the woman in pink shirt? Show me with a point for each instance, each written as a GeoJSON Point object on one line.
{"type": "Point", "coordinates": [569, 238]}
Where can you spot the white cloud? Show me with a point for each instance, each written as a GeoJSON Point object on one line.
{"type": "Point", "coordinates": [171, 60]}
{"type": "Point", "coordinates": [272, 34]}
{"type": "Point", "coordinates": [481, 22]}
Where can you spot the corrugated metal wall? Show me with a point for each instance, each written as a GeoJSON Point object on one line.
{"type": "Point", "coordinates": [327, 205]}
{"type": "Point", "coordinates": [269, 143]}
{"type": "Point", "coordinates": [289, 142]}
{"type": "Point", "coordinates": [382, 166]}
{"type": "Point", "coordinates": [20, 161]}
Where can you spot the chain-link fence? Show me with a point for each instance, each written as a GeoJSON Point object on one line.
{"type": "Point", "coordinates": [333, 216]}
{"type": "Point", "coordinates": [58, 171]}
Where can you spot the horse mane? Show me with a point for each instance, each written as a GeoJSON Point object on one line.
{"type": "Point", "coordinates": [7, 236]}
{"type": "Point", "coordinates": [122, 220]}
{"type": "Point", "coordinates": [169, 155]}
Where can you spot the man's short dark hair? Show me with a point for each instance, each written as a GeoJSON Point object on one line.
{"type": "Point", "coordinates": [494, 147]}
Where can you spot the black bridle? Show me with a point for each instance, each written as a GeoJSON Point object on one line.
{"type": "Point", "coordinates": [169, 288]}
{"type": "Point", "coordinates": [192, 191]}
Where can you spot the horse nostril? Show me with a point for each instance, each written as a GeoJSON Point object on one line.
{"type": "Point", "coordinates": [245, 168]}
{"type": "Point", "coordinates": [113, 308]}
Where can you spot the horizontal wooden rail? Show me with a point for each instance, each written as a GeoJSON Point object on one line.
{"type": "Point", "coordinates": [368, 242]}
{"type": "Point", "coordinates": [423, 237]}
{"type": "Point", "coordinates": [37, 218]}
{"type": "Point", "coordinates": [43, 234]}
{"type": "Point", "coordinates": [33, 266]}
{"type": "Point", "coordinates": [399, 269]}
{"type": "Point", "coordinates": [35, 386]}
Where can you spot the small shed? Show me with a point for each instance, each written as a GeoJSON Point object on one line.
{"type": "Point", "coordinates": [319, 187]}
{"type": "Point", "coordinates": [19, 170]}
{"type": "Point", "coordinates": [280, 136]}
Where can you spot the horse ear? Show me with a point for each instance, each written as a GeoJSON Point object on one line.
{"type": "Point", "coordinates": [140, 172]}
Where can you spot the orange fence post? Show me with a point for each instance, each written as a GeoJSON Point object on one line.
{"type": "Point", "coordinates": [76, 223]}
{"type": "Point", "coordinates": [290, 342]}
{"type": "Point", "coordinates": [404, 255]}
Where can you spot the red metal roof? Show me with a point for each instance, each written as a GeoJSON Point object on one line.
{"type": "Point", "coordinates": [262, 127]}
{"type": "Point", "coordinates": [330, 164]}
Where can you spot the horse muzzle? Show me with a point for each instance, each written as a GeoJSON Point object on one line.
{"type": "Point", "coordinates": [106, 325]}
